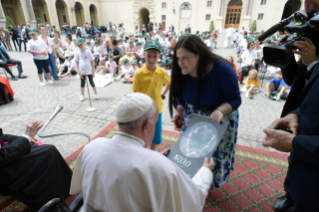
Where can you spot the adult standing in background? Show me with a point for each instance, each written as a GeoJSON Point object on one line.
{"type": "Point", "coordinates": [48, 31]}
{"type": "Point", "coordinates": [27, 29]}
{"type": "Point", "coordinates": [68, 31]}
{"type": "Point", "coordinates": [52, 63]}
{"type": "Point", "coordinates": [55, 31]}
{"type": "Point", "coordinates": [204, 83]}
{"type": "Point", "coordinates": [39, 51]}
{"type": "Point", "coordinates": [5, 36]}
{"type": "Point", "coordinates": [14, 37]}
{"type": "Point", "coordinates": [21, 40]}
{"type": "Point", "coordinates": [188, 29]}
{"type": "Point", "coordinates": [83, 31]}
{"type": "Point", "coordinates": [172, 28]}
{"type": "Point", "coordinates": [143, 29]}
{"type": "Point", "coordinates": [229, 37]}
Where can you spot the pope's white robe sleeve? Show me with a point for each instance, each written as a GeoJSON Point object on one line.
{"type": "Point", "coordinates": [203, 178]}
{"type": "Point", "coordinates": [76, 184]}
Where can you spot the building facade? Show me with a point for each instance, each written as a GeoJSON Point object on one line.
{"type": "Point", "coordinates": [197, 13]}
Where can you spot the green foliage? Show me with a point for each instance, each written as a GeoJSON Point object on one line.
{"type": "Point", "coordinates": [39, 21]}
{"type": "Point", "coordinates": [253, 26]}
{"type": "Point", "coordinates": [211, 26]}
{"type": "Point", "coordinates": [10, 22]}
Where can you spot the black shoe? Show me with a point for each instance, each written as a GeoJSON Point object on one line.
{"type": "Point", "coordinates": [14, 78]}
{"type": "Point", "coordinates": [21, 76]}
{"type": "Point", "coordinates": [283, 204]}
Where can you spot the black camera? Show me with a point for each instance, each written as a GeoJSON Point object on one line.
{"type": "Point", "coordinates": [305, 25]}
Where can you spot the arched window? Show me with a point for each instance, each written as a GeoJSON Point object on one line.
{"type": "Point", "coordinates": [186, 10]}
{"type": "Point", "coordinates": [233, 15]}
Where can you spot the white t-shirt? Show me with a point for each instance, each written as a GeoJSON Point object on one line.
{"type": "Point", "coordinates": [70, 64]}
{"type": "Point", "coordinates": [243, 44]}
{"type": "Point", "coordinates": [207, 42]}
{"type": "Point", "coordinates": [125, 68]}
{"type": "Point", "coordinates": [140, 51]}
{"type": "Point", "coordinates": [91, 45]}
{"type": "Point", "coordinates": [248, 56]}
{"type": "Point", "coordinates": [230, 32]}
{"type": "Point", "coordinates": [38, 46]}
{"type": "Point", "coordinates": [102, 48]}
{"type": "Point", "coordinates": [57, 45]}
{"type": "Point", "coordinates": [70, 48]}
{"type": "Point", "coordinates": [48, 42]}
{"type": "Point", "coordinates": [131, 70]}
{"type": "Point", "coordinates": [111, 65]}
{"type": "Point", "coordinates": [96, 50]}
{"type": "Point", "coordinates": [84, 59]}
{"type": "Point", "coordinates": [235, 36]}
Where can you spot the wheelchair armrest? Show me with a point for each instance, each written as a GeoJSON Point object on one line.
{"type": "Point", "coordinates": [56, 202]}
{"type": "Point", "coordinates": [77, 203]}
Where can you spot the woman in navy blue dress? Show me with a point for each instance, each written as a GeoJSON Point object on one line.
{"type": "Point", "coordinates": [206, 84]}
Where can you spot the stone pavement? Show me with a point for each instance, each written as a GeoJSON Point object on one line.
{"type": "Point", "coordinates": [35, 102]}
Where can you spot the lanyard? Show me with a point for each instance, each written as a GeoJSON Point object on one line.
{"type": "Point", "coordinates": [46, 41]}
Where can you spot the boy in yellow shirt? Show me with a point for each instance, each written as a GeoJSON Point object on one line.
{"type": "Point", "coordinates": [149, 80]}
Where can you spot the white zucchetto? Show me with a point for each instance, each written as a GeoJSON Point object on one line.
{"type": "Point", "coordinates": [132, 107]}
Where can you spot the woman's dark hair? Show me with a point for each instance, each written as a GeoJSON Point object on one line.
{"type": "Point", "coordinates": [249, 43]}
{"type": "Point", "coordinates": [195, 45]}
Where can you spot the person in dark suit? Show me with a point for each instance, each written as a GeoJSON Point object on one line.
{"type": "Point", "coordinates": [172, 28]}
{"type": "Point", "coordinates": [14, 36]}
{"type": "Point", "coordinates": [188, 29]}
{"type": "Point", "coordinates": [301, 183]}
{"type": "Point", "coordinates": [68, 31]}
{"type": "Point", "coordinates": [5, 59]}
{"type": "Point", "coordinates": [33, 174]}
{"type": "Point", "coordinates": [27, 36]}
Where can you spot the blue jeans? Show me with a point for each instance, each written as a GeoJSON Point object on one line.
{"type": "Point", "coordinates": [53, 68]}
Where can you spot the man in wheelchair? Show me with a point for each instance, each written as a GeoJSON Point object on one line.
{"type": "Point", "coordinates": [120, 174]}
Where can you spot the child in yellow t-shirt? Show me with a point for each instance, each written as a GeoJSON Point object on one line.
{"type": "Point", "coordinates": [150, 80]}
{"type": "Point", "coordinates": [252, 83]}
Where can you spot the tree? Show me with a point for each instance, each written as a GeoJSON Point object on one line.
{"type": "Point", "coordinates": [253, 26]}
{"type": "Point", "coordinates": [9, 22]}
{"type": "Point", "coordinates": [211, 26]}
{"type": "Point", "coordinates": [39, 21]}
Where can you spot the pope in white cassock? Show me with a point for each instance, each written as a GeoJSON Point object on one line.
{"type": "Point", "coordinates": [121, 175]}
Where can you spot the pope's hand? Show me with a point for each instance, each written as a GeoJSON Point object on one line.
{"type": "Point", "coordinates": [209, 163]}
{"type": "Point", "coordinates": [33, 128]}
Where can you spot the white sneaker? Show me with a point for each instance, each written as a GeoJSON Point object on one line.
{"type": "Point", "coordinates": [51, 82]}
{"type": "Point", "coordinates": [82, 98]}
{"type": "Point", "coordinates": [42, 84]}
{"type": "Point", "coordinates": [97, 96]}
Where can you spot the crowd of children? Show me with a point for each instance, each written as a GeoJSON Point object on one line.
{"type": "Point", "coordinates": [251, 63]}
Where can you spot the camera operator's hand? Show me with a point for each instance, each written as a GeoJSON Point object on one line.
{"type": "Point", "coordinates": [307, 51]}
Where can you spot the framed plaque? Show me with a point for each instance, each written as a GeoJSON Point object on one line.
{"type": "Point", "coordinates": [199, 140]}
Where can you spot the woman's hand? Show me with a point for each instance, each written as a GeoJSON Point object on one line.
{"type": "Point", "coordinates": [217, 114]}
{"type": "Point", "coordinates": [307, 51]}
{"type": "Point", "coordinates": [81, 76]}
{"type": "Point", "coordinates": [179, 122]}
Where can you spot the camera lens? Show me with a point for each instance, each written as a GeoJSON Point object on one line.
{"type": "Point", "coordinates": [279, 55]}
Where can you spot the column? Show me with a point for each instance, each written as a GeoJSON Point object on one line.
{"type": "Point", "coordinates": [46, 11]}
{"type": "Point", "coordinates": [246, 20]}
{"type": "Point", "coordinates": [220, 19]}
{"type": "Point", "coordinates": [31, 14]}
{"type": "Point", "coordinates": [2, 17]}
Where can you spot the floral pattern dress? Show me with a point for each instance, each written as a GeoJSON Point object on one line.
{"type": "Point", "coordinates": [224, 154]}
